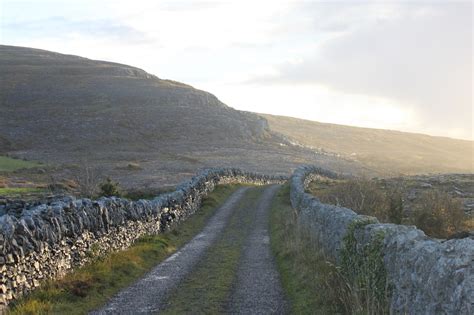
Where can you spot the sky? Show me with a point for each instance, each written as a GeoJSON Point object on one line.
{"type": "Point", "coordinates": [403, 65]}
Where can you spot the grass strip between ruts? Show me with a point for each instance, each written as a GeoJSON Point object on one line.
{"type": "Point", "coordinates": [208, 288]}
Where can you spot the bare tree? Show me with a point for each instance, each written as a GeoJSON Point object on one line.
{"type": "Point", "coordinates": [88, 179]}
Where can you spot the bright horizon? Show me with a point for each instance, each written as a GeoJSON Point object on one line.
{"type": "Point", "coordinates": [402, 66]}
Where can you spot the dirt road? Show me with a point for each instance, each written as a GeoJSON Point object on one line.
{"type": "Point", "coordinates": [227, 268]}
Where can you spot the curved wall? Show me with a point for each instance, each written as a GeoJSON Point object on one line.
{"type": "Point", "coordinates": [428, 276]}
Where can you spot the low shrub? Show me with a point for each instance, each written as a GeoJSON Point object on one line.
{"type": "Point", "coordinates": [438, 214]}
{"type": "Point", "coordinates": [109, 188]}
{"type": "Point", "coordinates": [434, 211]}
{"type": "Point", "coordinates": [360, 195]}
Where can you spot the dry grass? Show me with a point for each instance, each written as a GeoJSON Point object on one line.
{"type": "Point", "coordinates": [435, 211]}
{"type": "Point", "coordinates": [439, 215]}
{"type": "Point", "coordinates": [313, 284]}
{"type": "Point", "coordinates": [312, 281]}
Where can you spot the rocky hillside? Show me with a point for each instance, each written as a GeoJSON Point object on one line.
{"type": "Point", "coordinates": [77, 103]}
{"type": "Point", "coordinates": [63, 109]}
{"type": "Point", "coordinates": [389, 152]}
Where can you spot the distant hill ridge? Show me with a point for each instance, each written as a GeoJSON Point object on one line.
{"type": "Point", "coordinates": [389, 151]}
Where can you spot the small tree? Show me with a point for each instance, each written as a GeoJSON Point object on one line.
{"type": "Point", "coordinates": [110, 188]}
{"type": "Point", "coordinates": [87, 179]}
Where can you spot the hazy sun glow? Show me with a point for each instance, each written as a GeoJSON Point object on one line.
{"type": "Point", "coordinates": [395, 65]}
{"type": "Point", "coordinates": [317, 103]}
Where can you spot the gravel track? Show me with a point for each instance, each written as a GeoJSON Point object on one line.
{"type": "Point", "coordinates": [149, 294]}
{"type": "Point", "coordinates": [256, 288]}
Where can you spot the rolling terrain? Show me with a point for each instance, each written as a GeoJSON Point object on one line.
{"type": "Point", "coordinates": [65, 110]}
{"type": "Point", "coordinates": [387, 151]}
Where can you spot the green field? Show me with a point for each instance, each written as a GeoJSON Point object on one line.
{"type": "Point", "coordinates": [18, 192]}
{"type": "Point", "coordinates": [8, 164]}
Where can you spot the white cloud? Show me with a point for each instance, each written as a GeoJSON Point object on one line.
{"type": "Point", "coordinates": [419, 57]}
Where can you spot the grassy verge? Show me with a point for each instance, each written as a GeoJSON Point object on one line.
{"type": "Point", "coordinates": [8, 164]}
{"type": "Point", "coordinates": [18, 192]}
{"type": "Point", "coordinates": [91, 286]}
{"type": "Point", "coordinates": [311, 283]}
{"type": "Point", "coordinates": [208, 288]}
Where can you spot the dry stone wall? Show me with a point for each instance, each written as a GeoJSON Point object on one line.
{"type": "Point", "coordinates": [427, 276]}
{"type": "Point", "coordinates": [49, 240]}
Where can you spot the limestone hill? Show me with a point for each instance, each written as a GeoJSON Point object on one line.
{"type": "Point", "coordinates": [59, 102]}
{"type": "Point", "coordinates": [63, 109]}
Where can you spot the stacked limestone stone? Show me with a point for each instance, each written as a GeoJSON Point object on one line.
{"type": "Point", "coordinates": [49, 240]}
{"type": "Point", "coordinates": [428, 276]}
